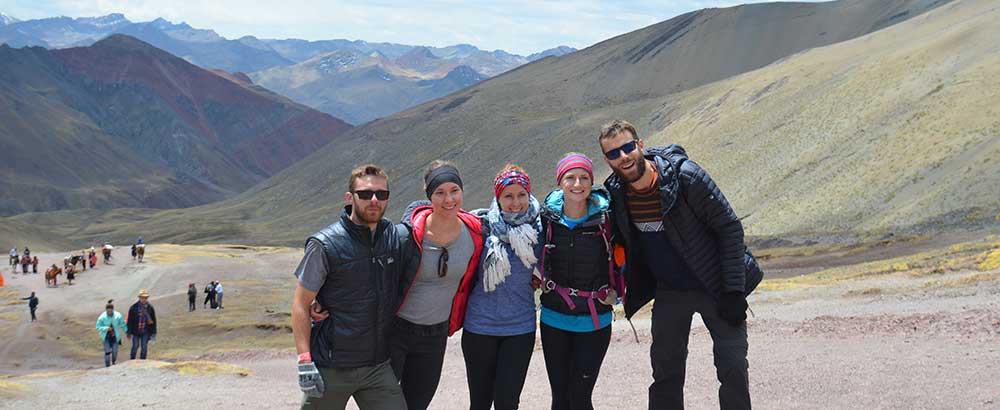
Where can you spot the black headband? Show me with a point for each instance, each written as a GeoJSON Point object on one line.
{"type": "Point", "coordinates": [439, 176]}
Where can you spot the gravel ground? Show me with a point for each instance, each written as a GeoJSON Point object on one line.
{"type": "Point", "coordinates": [909, 345]}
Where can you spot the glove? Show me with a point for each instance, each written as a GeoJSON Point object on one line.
{"type": "Point", "coordinates": [310, 381]}
{"type": "Point", "coordinates": [733, 308]}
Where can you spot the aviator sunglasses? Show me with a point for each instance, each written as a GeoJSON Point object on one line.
{"type": "Point", "coordinates": [366, 194]}
{"type": "Point", "coordinates": [624, 149]}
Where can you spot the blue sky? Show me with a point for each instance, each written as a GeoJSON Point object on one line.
{"type": "Point", "coordinates": [518, 26]}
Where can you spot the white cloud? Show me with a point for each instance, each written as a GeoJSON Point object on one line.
{"type": "Point", "coordinates": [518, 26]}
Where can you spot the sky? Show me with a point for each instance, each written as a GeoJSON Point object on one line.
{"type": "Point", "coordinates": [517, 26]}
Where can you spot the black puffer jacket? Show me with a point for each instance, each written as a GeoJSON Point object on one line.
{"type": "Point", "coordinates": [576, 258]}
{"type": "Point", "coordinates": [360, 292]}
{"type": "Point", "coordinates": [699, 224]}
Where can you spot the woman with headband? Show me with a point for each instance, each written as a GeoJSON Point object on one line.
{"type": "Point", "coordinates": [577, 288]}
{"type": "Point", "coordinates": [499, 335]}
{"type": "Point", "coordinates": [443, 253]}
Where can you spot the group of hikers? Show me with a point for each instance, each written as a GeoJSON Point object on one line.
{"type": "Point", "coordinates": [375, 301]}
{"type": "Point", "coordinates": [25, 260]}
{"type": "Point", "coordinates": [139, 325]}
{"type": "Point", "coordinates": [213, 295]}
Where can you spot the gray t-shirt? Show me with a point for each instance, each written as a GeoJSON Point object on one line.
{"type": "Point", "coordinates": [429, 300]}
{"type": "Point", "coordinates": [312, 269]}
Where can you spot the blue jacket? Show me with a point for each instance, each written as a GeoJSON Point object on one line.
{"type": "Point", "coordinates": [104, 323]}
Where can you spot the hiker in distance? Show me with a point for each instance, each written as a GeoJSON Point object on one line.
{"type": "Point", "coordinates": [444, 249]}
{"type": "Point", "coordinates": [351, 269]}
{"type": "Point", "coordinates": [684, 246]}
{"type": "Point", "coordinates": [32, 305]}
{"type": "Point", "coordinates": [578, 283]}
{"type": "Point", "coordinates": [499, 334]}
{"type": "Point", "coordinates": [141, 325]}
{"type": "Point", "coordinates": [111, 327]}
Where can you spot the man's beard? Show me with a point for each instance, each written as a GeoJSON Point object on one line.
{"type": "Point", "coordinates": [640, 166]}
{"type": "Point", "coordinates": [363, 215]}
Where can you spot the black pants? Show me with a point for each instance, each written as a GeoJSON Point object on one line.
{"type": "Point", "coordinates": [495, 367]}
{"type": "Point", "coordinates": [33, 314]}
{"type": "Point", "coordinates": [210, 297]}
{"type": "Point", "coordinates": [672, 314]}
{"type": "Point", "coordinates": [191, 303]}
{"type": "Point", "coordinates": [417, 355]}
{"type": "Point", "coordinates": [573, 362]}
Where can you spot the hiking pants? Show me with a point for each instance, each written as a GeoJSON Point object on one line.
{"type": "Point", "coordinates": [24, 268]}
{"type": "Point", "coordinates": [373, 388]}
{"type": "Point", "coordinates": [137, 341]}
{"type": "Point", "coordinates": [218, 299]}
{"type": "Point", "coordinates": [495, 367]}
{"type": "Point", "coordinates": [34, 268]}
{"type": "Point", "coordinates": [672, 315]}
{"type": "Point", "coordinates": [573, 362]}
{"type": "Point", "coordinates": [33, 318]}
{"type": "Point", "coordinates": [417, 355]}
{"type": "Point", "coordinates": [110, 351]}
{"type": "Point", "coordinates": [191, 303]}
{"type": "Point", "coordinates": [209, 297]}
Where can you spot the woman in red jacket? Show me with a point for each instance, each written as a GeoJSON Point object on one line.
{"type": "Point", "coordinates": [442, 255]}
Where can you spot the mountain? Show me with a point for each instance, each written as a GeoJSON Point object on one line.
{"type": "Point", "coordinates": [788, 109]}
{"type": "Point", "coordinates": [122, 123]}
{"type": "Point", "coordinates": [5, 20]}
{"type": "Point", "coordinates": [359, 88]}
{"type": "Point", "coordinates": [202, 47]}
{"type": "Point", "coordinates": [552, 52]}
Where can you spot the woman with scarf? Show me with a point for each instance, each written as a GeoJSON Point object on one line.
{"type": "Point", "coordinates": [577, 293]}
{"type": "Point", "coordinates": [499, 335]}
{"type": "Point", "coordinates": [442, 256]}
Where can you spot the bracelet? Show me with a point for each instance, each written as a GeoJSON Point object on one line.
{"type": "Point", "coordinates": [305, 357]}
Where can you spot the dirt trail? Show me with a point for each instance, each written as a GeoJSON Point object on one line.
{"type": "Point", "coordinates": [887, 341]}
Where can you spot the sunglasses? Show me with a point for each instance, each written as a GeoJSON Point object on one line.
{"type": "Point", "coordinates": [624, 149]}
{"type": "Point", "coordinates": [443, 263]}
{"type": "Point", "coordinates": [366, 195]}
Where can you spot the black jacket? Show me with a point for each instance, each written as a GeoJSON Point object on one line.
{"type": "Point", "coordinates": [576, 258]}
{"type": "Point", "coordinates": [132, 320]}
{"type": "Point", "coordinates": [360, 292]}
{"type": "Point", "coordinates": [698, 223]}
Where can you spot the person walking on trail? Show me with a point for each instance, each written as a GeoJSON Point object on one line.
{"type": "Point", "coordinates": [93, 258]}
{"type": "Point", "coordinates": [684, 247]}
{"type": "Point", "coordinates": [578, 283]}
{"type": "Point", "coordinates": [32, 305]}
{"type": "Point", "coordinates": [25, 261]}
{"type": "Point", "coordinates": [14, 258]}
{"type": "Point", "coordinates": [499, 336]}
{"type": "Point", "coordinates": [133, 252]}
{"type": "Point", "coordinates": [111, 327]}
{"type": "Point", "coordinates": [141, 324]}
{"type": "Point", "coordinates": [192, 297]}
{"type": "Point", "coordinates": [218, 294]}
{"type": "Point", "coordinates": [209, 295]}
{"type": "Point", "coordinates": [34, 264]}
{"type": "Point", "coordinates": [347, 354]}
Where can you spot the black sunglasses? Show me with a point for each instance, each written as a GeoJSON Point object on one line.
{"type": "Point", "coordinates": [624, 149]}
{"type": "Point", "coordinates": [366, 194]}
{"type": "Point", "coordinates": [443, 263]}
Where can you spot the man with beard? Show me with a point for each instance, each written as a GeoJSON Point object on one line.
{"type": "Point", "coordinates": [351, 269]}
{"type": "Point", "coordinates": [684, 247]}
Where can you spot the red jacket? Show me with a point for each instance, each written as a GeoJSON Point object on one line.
{"type": "Point", "coordinates": [416, 219]}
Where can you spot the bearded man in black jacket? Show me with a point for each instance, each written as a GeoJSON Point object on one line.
{"type": "Point", "coordinates": [684, 247]}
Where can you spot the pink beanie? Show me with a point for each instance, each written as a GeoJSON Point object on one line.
{"type": "Point", "coordinates": [574, 161]}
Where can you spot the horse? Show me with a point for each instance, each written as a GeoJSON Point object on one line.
{"type": "Point", "coordinates": [107, 254]}
{"type": "Point", "coordinates": [51, 274]}
{"type": "Point", "coordinates": [140, 250]}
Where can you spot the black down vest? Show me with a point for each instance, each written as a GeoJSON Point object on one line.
{"type": "Point", "coordinates": [360, 293]}
{"type": "Point", "coordinates": [575, 258]}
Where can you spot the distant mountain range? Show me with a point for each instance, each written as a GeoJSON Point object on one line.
{"type": "Point", "coordinates": [122, 123]}
{"type": "Point", "coordinates": [5, 20]}
{"type": "Point", "coordinates": [410, 71]}
{"type": "Point", "coordinates": [786, 104]}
